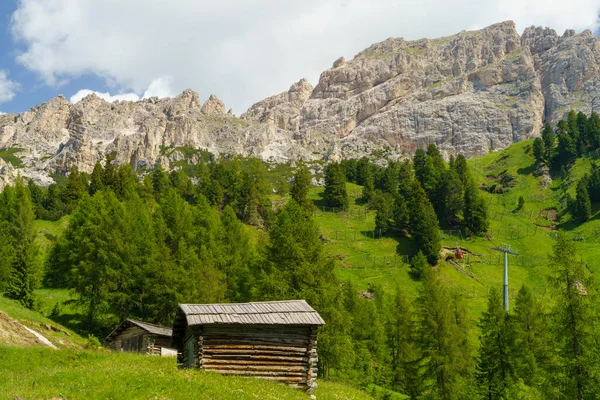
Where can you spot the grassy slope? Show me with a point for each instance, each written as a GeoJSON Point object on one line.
{"type": "Point", "coordinates": [36, 372]}
{"type": "Point", "coordinates": [361, 258]}
{"type": "Point", "coordinates": [57, 334]}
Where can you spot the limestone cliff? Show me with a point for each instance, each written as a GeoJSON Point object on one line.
{"type": "Point", "coordinates": [468, 93]}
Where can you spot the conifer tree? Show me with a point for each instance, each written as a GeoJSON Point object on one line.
{"type": "Point", "coordinates": [400, 213]}
{"type": "Point", "coordinates": [299, 188]}
{"type": "Point", "coordinates": [335, 186]}
{"type": "Point", "coordinates": [109, 175]}
{"type": "Point", "coordinates": [475, 211]}
{"type": "Point", "coordinates": [574, 323]}
{"type": "Point", "coordinates": [424, 224]}
{"type": "Point", "coordinates": [460, 165]}
{"type": "Point", "coordinates": [532, 348]}
{"type": "Point", "coordinates": [446, 364]}
{"type": "Point", "coordinates": [539, 150]}
{"type": "Point", "coordinates": [419, 265]}
{"type": "Point", "coordinates": [368, 185]}
{"type": "Point", "coordinates": [594, 130]}
{"type": "Point", "coordinates": [96, 179]}
{"type": "Point", "coordinates": [548, 138]}
{"type": "Point", "coordinates": [452, 192]}
{"type": "Point", "coordinates": [583, 205]}
{"type": "Point", "coordinates": [24, 275]}
{"type": "Point", "coordinates": [405, 179]}
{"type": "Point", "coordinates": [495, 367]}
{"type": "Point", "coordinates": [419, 161]}
{"type": "Point", "coordinates": [160, 181]}
{"type": "Point", "coordinates": [382, 203]}
{"type": "Point", "coordinates": [404, 353]}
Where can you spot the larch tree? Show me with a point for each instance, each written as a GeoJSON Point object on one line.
{"type": "Point", "coordinates": [574, 322]}
{"type": "Point", "coordinates": [424, 224]}
{"type": "Point", "coordinates": [495, 366]}
{"type": "Point", "coordinates": [299, 188]}
{"type": "Point", "coordinates": [335, 186]}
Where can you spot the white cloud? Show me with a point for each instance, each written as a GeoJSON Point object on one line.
{"type": "Point", "coordinates": [159, 87]}
{"type": "Point", "coordinates": [244, 51]}
{"type": "Point", "coordinates": [7, 87]}
{"type": "Point", "coordinates": [103, 95]}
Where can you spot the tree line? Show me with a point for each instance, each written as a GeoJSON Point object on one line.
{"type": "Point", "coordinates": [560, 148]}
{"type": "Point", "coordinates": [414, 196]}
{"type": "Point", "coordinates": [137, 249]}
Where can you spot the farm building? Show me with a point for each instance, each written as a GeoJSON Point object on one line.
{"type": "Point", "coordinates": [141, 337]}
{"type": "Point", "coordinates": [274, 340]}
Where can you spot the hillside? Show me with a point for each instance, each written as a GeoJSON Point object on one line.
{"type": "Point", "coordinates": [40, 373]}
{"type": "Point", "coordinates": [468, 93]}
{"type": "Point", "coordinates": [368, 259]}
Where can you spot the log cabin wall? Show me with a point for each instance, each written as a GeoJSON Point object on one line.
{"type": "Point", "coordinates": [284, 353]}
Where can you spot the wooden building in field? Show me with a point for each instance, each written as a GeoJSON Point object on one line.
{"type": "Point", "coordinates": [141, 337]}
{"type": "Point", "coordinates": [274, 340]}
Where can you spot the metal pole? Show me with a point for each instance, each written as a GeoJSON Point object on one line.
{"type": "Point", "coordinates": [506, 281]}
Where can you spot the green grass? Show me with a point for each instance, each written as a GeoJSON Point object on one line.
{"type": "Point", "coordinates": [8, 155]}
{"type": "Point", "coordinates": [361, 258]}
{"type": "Point", "coordinates": [59, 335]}
{"type": "Point", "coordinates": [43, 373]}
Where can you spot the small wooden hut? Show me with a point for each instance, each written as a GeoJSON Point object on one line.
{"type": "Point", "coordinates": [141, 337]}
{"type": "Point", "coordinates": [274, 340]}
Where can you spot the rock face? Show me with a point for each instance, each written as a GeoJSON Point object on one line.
{"type": "Point", "coordinates": [468, 93]}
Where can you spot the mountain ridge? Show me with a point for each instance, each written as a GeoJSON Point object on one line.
{"type": "Point", "coordinates": [468, 93]}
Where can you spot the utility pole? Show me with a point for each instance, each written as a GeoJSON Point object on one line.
{"type": "Point", "coordinates": [505, 248]}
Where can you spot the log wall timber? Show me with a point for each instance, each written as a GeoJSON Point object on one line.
{"type": "Point", "coordinates": [283, 353]}
{"type": "Point", "coordinates": [274, 340]}
{"type": "Point", "coordinates": [135, 339]}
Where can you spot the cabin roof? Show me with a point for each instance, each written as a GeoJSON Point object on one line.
{"type": "Point", "coordinates": [289, 312]}
{"type": "Point", "coordinates": [150, 328]}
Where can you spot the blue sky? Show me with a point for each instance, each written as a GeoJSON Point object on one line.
{"type": "Point", "coordinates": [241, 51]}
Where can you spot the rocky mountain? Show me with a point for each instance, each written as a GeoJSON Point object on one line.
{"type": "Point", "coordinates": [468, 93]}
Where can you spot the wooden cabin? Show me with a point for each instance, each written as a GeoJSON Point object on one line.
{"type": "Point", "coordinates": [141, 337]}
{"type": "Point", "coordinates": [274, 340]}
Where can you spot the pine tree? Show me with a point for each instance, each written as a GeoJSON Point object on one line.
{"type": "Point", "coordinates": [594, 130]}
{"type": "Point", "coordinates": [400, 213]}
{"type": "Point", "coordinates": [452, 192]}
{"type": "Point", "coordinates": [109, 175]}
{"type": "Point", "coordinates": [405, 179]}
{"type": "Point", "coordinates": [532, 348]}
{"type": "Point", "coordinates": [160, 181]}
{"type": "Point", "coordinates": [424, 224]}
{"type": "Point", "coordinates": [475, 211]}
{"type": "Point", "coordinates": [419, 265]}
{"type": "Point", "coordinates": [24, 274]}
{"type": "Point", "coordinates": [96, 179]}
{"type": "Point", "coordinates": [574, 323]}
{"type": "Point", "coordinates": [495, 367]}
{"type": "Point", "coordinates": [446, 363]}
{"type": "Point", "coordinates": [539, 150]}
{"type": "Point", "coordinates": [335, 186]}
{"type": "Point", "coordinates": [382, 203]}
{"type": "Point", "coordinates": [460, 165]}
{"type": "Point", "coordinates": [403, 347]}
{"type": "Point", "coordinates": [74, 189]}
{"type": "Point", "coordinates": [593, 185]}
{"type": "Point", "coordinates": [548, 138]}
{"type": "Point", "coordinates": [583, 205]}
{"type": "Point", "coordinates": [419, 161]}
{"type": "Point", "coordinates": [368, 185]}
{"type": "Point", "coordinates": [300, 186]}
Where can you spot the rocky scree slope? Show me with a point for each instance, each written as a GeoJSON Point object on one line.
{"type": "Point", "coordinates": [468, 93]}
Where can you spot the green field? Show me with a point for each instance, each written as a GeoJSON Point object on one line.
{"type": "Point", "coordinates": [43, 373]}
{"type": "Point", "coordinates": [368, 259]}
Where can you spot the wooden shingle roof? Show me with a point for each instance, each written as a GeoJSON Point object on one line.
{"type": "Point", "coordinates": [150, 328]}
{"type": "Point", "coordinates": [289, 312]}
